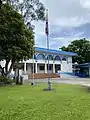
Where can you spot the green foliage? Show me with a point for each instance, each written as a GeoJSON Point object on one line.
{"type": "Point", "coordinates": [0, 4]}
{"type": "Point", "coordinates": [29, 9]}
{"type": "Point", "coordinates": [16, 40]}
{"type": "Point", "coordinates": [5, 80]}
{"type": "Point", "coordinates": [82, 48]}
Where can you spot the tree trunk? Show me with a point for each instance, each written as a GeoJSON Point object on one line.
{"type": "Point", "coordinates": [6, 66]}
{"type": "Point", "coordinates": [2, 70]}
{"type": "Point", "coordinates": [13, 61]}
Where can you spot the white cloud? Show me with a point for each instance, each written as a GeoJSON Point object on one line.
{"type": "Point", "coordinates": [78, 34]}
{"type": "Point", "coordinates": [59, 38]}
{"type": "Point", "coordinates": [67, 12]}
{"type": "Point", "coordinates": [61, 41]}
{"type": "Point", "coordinates": [63, 14]}
{"type": "Point", "coordinates": [72, 21]}
{"type": "Point", "coordinates": [85, 3]}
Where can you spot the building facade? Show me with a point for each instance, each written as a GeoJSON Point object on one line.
{"type": "Point", "coordinates": [58, 60]}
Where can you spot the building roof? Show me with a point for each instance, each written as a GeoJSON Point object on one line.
{"type": "Point", "coordinates": [52, 51]}
{"type": "Point", "coordinates": [83, 65]}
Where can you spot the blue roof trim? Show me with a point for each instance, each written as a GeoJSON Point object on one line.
{"type": "Point", "coordinates": [84, 64]}
{"type": "Point", "coordinates": [55, 51]}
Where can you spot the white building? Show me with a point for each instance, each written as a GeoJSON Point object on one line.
{"type": "Point", "coordinates": [58, 60]}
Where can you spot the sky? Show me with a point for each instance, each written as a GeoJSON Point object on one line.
{"type": "Point", "coordinates": [68, 20]}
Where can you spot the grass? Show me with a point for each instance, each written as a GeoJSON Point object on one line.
{"type": "Point", "coordinates": [68, 102]}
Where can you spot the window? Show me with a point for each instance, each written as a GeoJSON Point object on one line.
{"type": "Point", "coordinates": [64, 59]}
{"type": "Point", "coordinates": [57, 68]}
{"type": "Point", "coordinates": [41, 67]}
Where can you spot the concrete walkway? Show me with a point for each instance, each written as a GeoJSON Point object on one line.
{"type": "Point", "coordinates": [81, 81]}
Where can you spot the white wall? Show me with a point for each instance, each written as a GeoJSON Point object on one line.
{"type": "Point", "coordinates": [28, 68]}
{"type": "Point", "coordinates": [67, 66]}
{"type": "Point", "coordinates": [64, 66]}
{"type": "Point", "coordinates": [69, 59]}
{"type": "Point", "coordinates": [70, 64]}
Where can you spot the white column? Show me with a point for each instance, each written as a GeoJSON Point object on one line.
{"type": "Point", "coordinates": [53, 68]}
{"type": "Point", "coordinates": [45, 68]}
{"type": "Point", "coordinates": [61, 68]}
{"type": "Point", "coordinates": [25, 67]}
{"type": "Point", "coordinates": [36, 68]}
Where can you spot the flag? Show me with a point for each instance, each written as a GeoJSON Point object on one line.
{"type": "Point", "coordinates": [46, 27]}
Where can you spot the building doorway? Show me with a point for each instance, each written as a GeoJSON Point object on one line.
{"type": "Point", "coordinates": [57, 68]}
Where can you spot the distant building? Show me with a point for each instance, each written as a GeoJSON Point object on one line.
{"type": "Point", "coordinates": [82, 70]}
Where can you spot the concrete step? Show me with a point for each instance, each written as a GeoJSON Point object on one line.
{"type": "Point", "coordinates": [43, 75]}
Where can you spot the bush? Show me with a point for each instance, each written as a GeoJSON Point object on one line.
{"type": "Point", "coordinates": [5, 80]}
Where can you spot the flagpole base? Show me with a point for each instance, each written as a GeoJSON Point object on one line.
{"type": "Point", "coordinates": [46, 89]}
{"type": "Point", "coordinates": [33, 83]}
{"type": "Point", "coordinates": [49, 85]}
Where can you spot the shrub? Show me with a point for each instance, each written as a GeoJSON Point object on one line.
{"type": "Point", "coordinates": [5, 80]}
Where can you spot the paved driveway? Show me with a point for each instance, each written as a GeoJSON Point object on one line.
{"type": "Point", "coordinates": [80, 81]}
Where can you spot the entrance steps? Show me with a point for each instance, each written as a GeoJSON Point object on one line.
{"type": "Point", "coordinates": [43, 75]}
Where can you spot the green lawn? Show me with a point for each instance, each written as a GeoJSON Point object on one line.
{"type": "Point", "coordinates": [68, 102]}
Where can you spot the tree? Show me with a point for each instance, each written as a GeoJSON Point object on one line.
{"type": "Point", "coordinates": [82, 48]}
{"type": "Point", "coordinates": [0, 4]}
{"type": "Point", "coordinates": [30, 9]}
{"type": "Point", "coordinates": [16, 40]}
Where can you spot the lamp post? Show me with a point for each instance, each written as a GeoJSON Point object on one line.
{"type": "Point", "coordinates": [75, 64]}
{"type": "Point", "coordinates": [33, 81]}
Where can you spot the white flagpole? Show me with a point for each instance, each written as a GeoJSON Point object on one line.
{"type": "Point", "coordinates": [47, 38]}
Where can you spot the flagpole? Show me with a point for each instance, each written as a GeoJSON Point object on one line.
{"type": "Point", "coordinates": [49, 81]}
{"type": "Point", "coordinates": [47, 39]}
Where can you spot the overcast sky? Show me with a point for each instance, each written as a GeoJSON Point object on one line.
{"type": "Point", "coordinates": [68, 20]}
